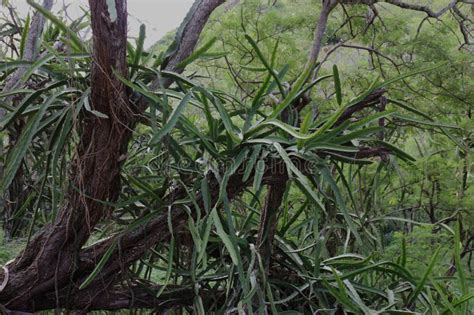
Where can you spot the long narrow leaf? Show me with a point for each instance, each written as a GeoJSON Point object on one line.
{"type": "Point", "coordinates": [173, 119]}
{"type": "Point", "coordinates": [98, 267]}
{"type": "Point", "coordinates": [72, 35]}
{"type": "Point", "coordinates": [421, 284]}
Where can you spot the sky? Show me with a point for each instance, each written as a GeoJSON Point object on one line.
{"type": "Point", "coordinates": [159, 16]}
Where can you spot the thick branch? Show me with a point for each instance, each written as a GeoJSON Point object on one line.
{"type": "Point", "coordinates": [408, 6]}
{"type": "Point", "coordinates": [31, 49]}
{"type": "Point", "coordinates": [328, 5]}
{"type": "Point", "coordinates": [54, 258]}
{"type": "Point", "coordinates": [191, 28]}
{"type": "Point", "coordinates": [370, 100]}
{"type": "Point", "coordinates": [49, 259]}
{"type": "Point", "coordinates": [135, 243]}
{"type": "Point", "coordinates": [132, 296]}
{"type": "Point", "coordinates": [422, 8]}
{"type": "Point", "coordinates": [16, 194]}
{"type": "Point", "coordinates": [269, 220]}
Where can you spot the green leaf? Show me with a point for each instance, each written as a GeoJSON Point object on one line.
{"type": "Point", "coordinates": [443, 296]}
{"type": "Point", "coordinates": [237, 161]}
{"type": "Point", "coordinates": [421, 284]}
{"type": "Point", "coordinates": [37, 64]}
{"type": "Point", "coordinates": [340, 295]}
{"type": "Point", "coordinates": [17, 91]}
{"type": "Point", "coordinates": [328, 124]}
{"type": "Point", "coordinates": [333, 119]}
{"type": "Point", "coordinates": [395, 150]}
{"type": "Point", "coordinates": [403, 256]}
{"type": "Point", "coordinates": [98, 267]}
{"type": "Point", "coordinates": [11, 117]}
{"type": "Point", "coordinates": [15, 158]}
{"type": "Point", "coordinates": [426, 123]}
{"type": "Point", "coordinates": [463, 299]}
{"type": "Point", "coordinates": [326, 173]}
{"type": "Point", "coordinates": [139, 51]}
{"type": "Point", "coordinates": [169, 267]}
{"type": "Point", "coordinates": [259, 171]}
{"type": "Point", "coordinates": [373, 117]}
{"type": "Point", "coordinates": [409, 74]}
{"type": "Point", "coordinates": [354, 135]}
{"type": "Point", "coordinates": [310, 85]}
{"type": "Point", "coordinates": [72, 35]}
{"type": "Point", "coordinates": [408, 108]}
{"type": "Point", "coordinates": [293, 93]}
{"type": "Point", "coordinates": [256, 103]}
{"type": "Point", "coordinates": [197, 53]}
{"type": "Point", "coordinates": [251, 162]}
{"type": "Point", "coordinates": [24, 35]}
{"type": "Point", "coordinates": [331, 147]}
{"type": "Point", "coordinates": [458, 261]}
{"type": "Point", "coordinates": [280, 125]}
{"type": "Point", "coordinates": [99, 114]}
{"type": "Point", "coordinates": [233, 251]}
{"type": "Point", "coordinates": [228, 124]}
{"type": "Point", "coordinates": [172, 120]}
{"type": "Point", "coordinates": [307, 121]}
{"type": "Point", "coordinates": [266, 63]}
{"type": "Point", "coordinates": [206, 196]}
{"type": "Point", "coordinates": [301, 180]}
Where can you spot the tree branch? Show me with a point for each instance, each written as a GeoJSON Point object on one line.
{"type": "Point", "coordinates": [134, 295]}
{"type": "Point", "coordinates": [191, 28]}
{"type": "Point", "coordinates": [328, 5]}
{"type": "Point", "coordinates": [405, 5]}
{"type": "Point", "coordinates": [268, 220]}
{"type": "Point", "coordinates": [422, 8]}
{"type": "Point", "coordinates": [430, 13]}
{"type": "Point", "coordinates": [370, 100]}
{"type": "Point", "coordinates": [16, 193]}
{"type": "Point", "coordinates": [30, 51]}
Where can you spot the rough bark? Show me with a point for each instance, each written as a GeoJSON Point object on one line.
{"type": "Point", "coordinates": [50, 264]}
{"type": "Point", "coordinates": [49, 271]}
{"type": "Point", "coordinates": [50, 259]}
{"type": "Point", "coordinates": [371, 100]}
{"type": "Point", "coordinates": [17, 194]}
{"type": "Point", "coordinates": [30, 51]}
{"type": "Point", "coordinates": [328, 5]}
{"type": "Point", "coordinates": [268, 220]}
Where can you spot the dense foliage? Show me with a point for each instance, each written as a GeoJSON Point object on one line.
{"type": "Point", "coordinates": [343, 186]}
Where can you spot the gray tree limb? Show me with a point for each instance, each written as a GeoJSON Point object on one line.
{"type": "Point", "coordinates": [422, 8]}
{"type": "Point", "coordinates": [30, 52]}
{"type": "Point", "coordinates": [190, 36]}
{"type": "Point", "coordinates": [328, 5]}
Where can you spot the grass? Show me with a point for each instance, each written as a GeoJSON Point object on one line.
{"type": "Point", "coordinates": [9, 250]}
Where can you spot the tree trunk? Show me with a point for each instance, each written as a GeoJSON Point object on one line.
{"type": "Point", "coordinates": [54, 264]}
{"type": "Point", "coordinates": [50, 259]}
{"type": "Point", "coordinates": [17, 193]}
{"type": "Point", "coordinates": [48, 272]}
